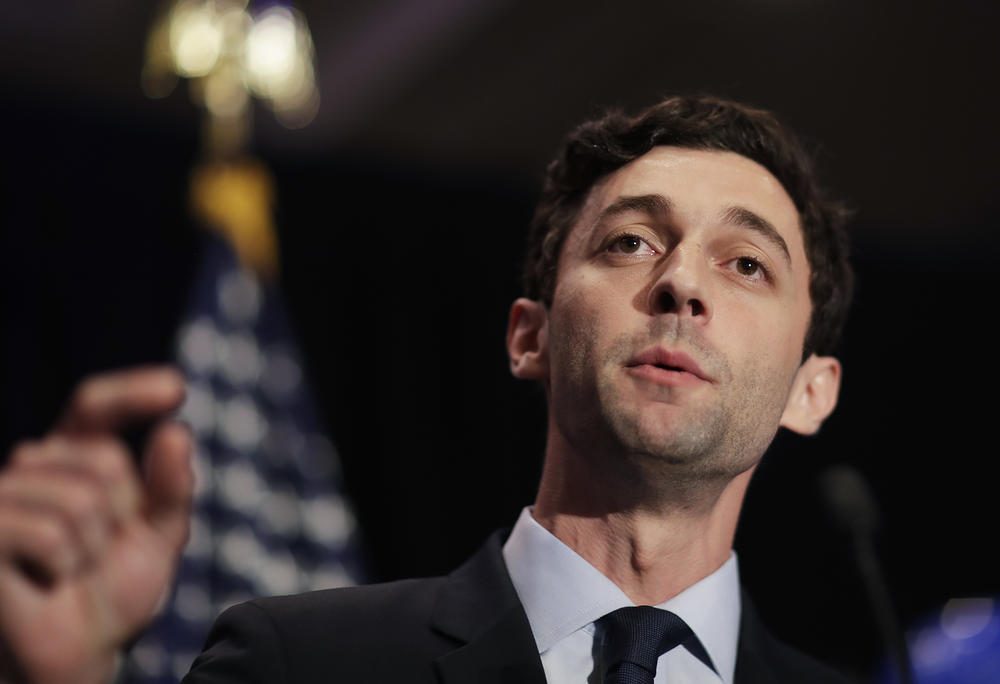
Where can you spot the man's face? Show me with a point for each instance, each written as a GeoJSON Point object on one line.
{"type": "Point", "coordinates": [679, 313]}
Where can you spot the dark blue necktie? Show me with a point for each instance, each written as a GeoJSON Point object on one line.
{"type": "Point", "coordinates": [635, 638]}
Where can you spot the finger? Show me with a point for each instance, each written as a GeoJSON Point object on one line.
{"type": "Point", "coordinates": [103, 458]}
{"type": "Point", "coordinates": [169, 482]}
{"type": "Point", "coordinates": [75, 498]}
{"type": "Point", "coordinates": [39, 544]}
{"type": "Point", "coordinates": [110, 401]}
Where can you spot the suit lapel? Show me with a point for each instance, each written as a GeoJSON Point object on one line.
{"type": "Point", "coordinates": [479, 608]}
{"type": "Point", "coordinates": [503, 654]}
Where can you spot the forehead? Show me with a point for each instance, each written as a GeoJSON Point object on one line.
{"type": "Point", "coordinates": [700, 186]}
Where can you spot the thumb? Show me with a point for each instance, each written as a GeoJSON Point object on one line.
{"type": "Point", "coordinates": [169, 482]}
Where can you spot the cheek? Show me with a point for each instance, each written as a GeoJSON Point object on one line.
{"type": "Point", "coordinates": [573, 306]}
{"type": "Point", "coordinates": [767, 342]}
{"type": "Point", "coordinates": [582, 321]}
{"type": "Point", "coordinates": [570, 338]}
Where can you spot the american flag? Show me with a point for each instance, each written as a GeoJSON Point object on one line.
{"type": "Point", "coordinates": [269, 514]}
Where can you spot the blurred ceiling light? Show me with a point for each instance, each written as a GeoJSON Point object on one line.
{"type": "Point", "coordinates": [271, 51]}
{"type": "Point", "coordinates": [231, 52]}
{"type": "Point", "coordinates": [195, 38]}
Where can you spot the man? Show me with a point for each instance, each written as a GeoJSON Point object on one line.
{"type": "Point", "coordinates": [685, 281]}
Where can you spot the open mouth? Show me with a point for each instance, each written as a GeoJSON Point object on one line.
{"type": "Point", "coordinates": [664, 366]}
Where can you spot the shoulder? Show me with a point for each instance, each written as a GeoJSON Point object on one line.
{"type": "Point", "coordinates": [346, 634]}
{"type": "Point", "coordinates": [380, 606]}
{"type": "Point", "coordinates": [324, 635]}
{"type": "Point", "coordinates": [763, 658]}
{"type": "Point", "coordinates": [790, 665]}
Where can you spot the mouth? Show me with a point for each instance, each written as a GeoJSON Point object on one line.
{"type": "Point", "coordinates": [667, 366]}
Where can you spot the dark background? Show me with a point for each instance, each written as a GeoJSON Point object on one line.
{"type": "Point", "coordinates": [402, 213]}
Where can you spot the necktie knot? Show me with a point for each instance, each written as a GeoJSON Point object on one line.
{"type": "Point", "coordinates": [634, 639]}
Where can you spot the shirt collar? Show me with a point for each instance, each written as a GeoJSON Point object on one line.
{"type": "Point", "coordinates": [562, 593]}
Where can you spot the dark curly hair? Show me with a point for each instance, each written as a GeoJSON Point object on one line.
{"type": "Point", "coordinates": [596, 148]}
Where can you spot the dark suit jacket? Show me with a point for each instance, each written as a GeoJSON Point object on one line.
{"type": "Point", "coordinates": [466, 627]}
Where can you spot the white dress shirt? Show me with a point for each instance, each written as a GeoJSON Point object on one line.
{"type": "Point", "coordinates": [563, 595]}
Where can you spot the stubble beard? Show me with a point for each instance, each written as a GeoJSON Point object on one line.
{"type": "Point", "coordinates": [691, 445]}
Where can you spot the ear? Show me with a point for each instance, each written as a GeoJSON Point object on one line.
{"type": "Point", "coordinates": [528, 340]}
{"type": "Point", "coordinates": [813, 396]}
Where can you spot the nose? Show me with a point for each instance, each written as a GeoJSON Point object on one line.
{"type": "Point", "coordinates": [682, 285]}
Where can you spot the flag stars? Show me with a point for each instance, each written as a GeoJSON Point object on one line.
{"type": "Point", "coordinates": [239, 297]}
{"type": "Point", "coordinates": [268, 517]}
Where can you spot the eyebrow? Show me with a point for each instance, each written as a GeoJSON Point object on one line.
{"type": "Point", "coordinates": [744, 218]}
{"type": "Point", "coordinates": [653, 205]}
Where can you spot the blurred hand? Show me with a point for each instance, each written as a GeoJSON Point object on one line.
{"type": "Point", "coordinates": [88, 545]}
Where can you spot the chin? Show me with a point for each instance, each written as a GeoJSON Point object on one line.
{"type": "Point", "coordinates": [679, 448]}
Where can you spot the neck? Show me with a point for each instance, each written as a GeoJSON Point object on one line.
{"type": "Point", "coordinates": [651, 546]}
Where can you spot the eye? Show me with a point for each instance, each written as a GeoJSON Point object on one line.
{"type": "Point", "coordinates": [750, 268]}
{"type": "Point", "coordinates": [630, 244]}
